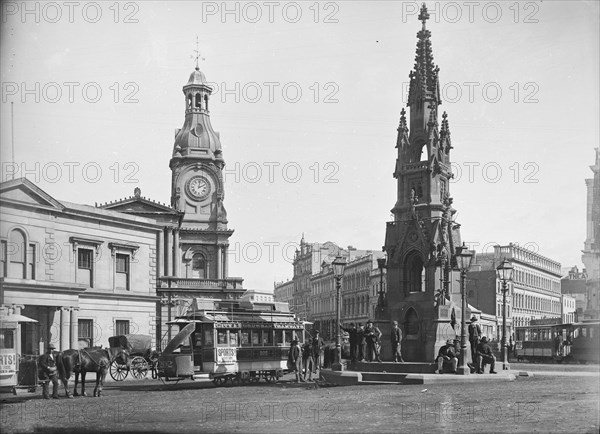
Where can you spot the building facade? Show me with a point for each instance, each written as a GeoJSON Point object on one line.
{"type": "Point", "coordinates": [534, 293]}
{"type": "Point", "coordinates": [574, 285]}
{"type": "Point", "coordinates": [84, 273]}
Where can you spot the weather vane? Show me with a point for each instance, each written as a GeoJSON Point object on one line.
{"type": "Point", "coordinates": [197, 56]}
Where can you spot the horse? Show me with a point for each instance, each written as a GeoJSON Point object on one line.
{"type": "Point", "coordinates": [82, 361]}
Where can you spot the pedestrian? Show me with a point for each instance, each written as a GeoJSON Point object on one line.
{"type": "Point", "coordinates": [48, 373]}
{"type": "Point", "coordinates": [475, 334]}
{"type": "Point", "coordinates": [447, 357]}
{"type": "Point", "coordinates": [353, 338]}
{"type": "Point", "coordinates": [396, 337]}
{"type": "Point", "coordinates": [372, 335]}
{"type": "Point", "coordinates": [485, 356]}
{"type": "Point", "coordinates": [295, 360]}
{"type": "Point", "coordinates": [317, 344]}
{"type": "Point", "coordinates": [308, 359]}
{"type": "Point", "coordinates": [362, 343]}
{"type": "Point", "coordinates": [558, 343]}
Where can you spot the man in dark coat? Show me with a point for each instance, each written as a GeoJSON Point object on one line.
{"type": "Point", "coordinates": [47, 372]}
{"type": "Point", "coordinates": [362, 343]}
{"type": "Point", "coordinates": [372, 335]}
{"type": "Point", "coordinates": [396, 337]}
{"type": "Point", "coordinates": [475, 334]}
{"type": "Point", "coordinates": [353, 338]}
{"type": "Point", "coordinates": [295, 360]}
{"type": "Point", "coordinates": [447, 357]}
{"type": "Point", "coordinates": [485, 356]}
{"type": "Point", "coordinates": [308, 359]}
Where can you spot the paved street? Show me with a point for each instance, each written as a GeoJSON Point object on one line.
{"type": "Point", "coordinates": [562, 399]}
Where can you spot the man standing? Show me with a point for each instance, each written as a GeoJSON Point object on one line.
{"type": "Point", "coordinates": [47, 372]}
{"type": "Point", "coordinates": [353, 338]}
{"type": "Point", "coordinates": [372, 335]}
{"type": "Point", "coordinates": [295, 360]}
{"type": "Point", "coordinates": [362, 343]}
{"type": "Point", "coordinates": [447, 357]}
{"type": "Point", "coordinates": [397, 342]}
{"type": "Point", "coordinates": [474, 336]}
{"type": "Point", "coordinates": [485, 356]}
{"type": "Point", "coordinates": [308, 359]}
{"type": "Point", "coordinates": [317, 343]}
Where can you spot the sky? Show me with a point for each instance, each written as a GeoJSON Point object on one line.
{"type": "Point", "coordinates": [307, 99]}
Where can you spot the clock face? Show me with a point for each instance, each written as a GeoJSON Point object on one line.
{"type": "Point", "coordinates": [198, 187]}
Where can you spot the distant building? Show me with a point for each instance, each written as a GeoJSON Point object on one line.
{"type": "Point", "coordinates": [284, 292]}
{"type": "Point", "coordinates": [574, 285]}
{"type": "Point", "coordinates": [591, 249]}
{"type": "Point", "coordinates": [534, 293]}
{"type": "Point", "coordinates": [254, 296]}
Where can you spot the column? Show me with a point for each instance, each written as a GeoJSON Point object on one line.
{"type": "Point", "coordinates": [169, 270]}
{"type": "Point", "coordinates": [75, 327]}
{"type": "Point", "coordinates": [176, 254]}
{"type": "Point", "coordinates": [65, 325]}
{"type": "Point", "coordinates": [219, 262]}
{"type": "Point", "coordinates": [225, 262]}
{"type": "Point", "coordinates": [160, 254]}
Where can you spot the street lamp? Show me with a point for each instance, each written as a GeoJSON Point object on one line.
{"type": "Point", "coordinates": [381, 265]}
{"type": "Point", "coordinates": [505, 272]}
{"type": "Point", "coordinates": [464, 257]}
{"type": "Point", "coordinates": [338, 271]}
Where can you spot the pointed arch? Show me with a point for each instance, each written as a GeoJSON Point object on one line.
{"type": "Point", "coordinates": [414, 267]}
{"type": "Point", "coordinates": [411, 322]}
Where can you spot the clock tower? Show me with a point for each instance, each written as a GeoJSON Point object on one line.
{"type": "Point", "coordinates": [197, 191]}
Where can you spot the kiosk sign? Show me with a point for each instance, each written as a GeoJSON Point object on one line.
{"type": "Point", "coordinates": [226, 355]}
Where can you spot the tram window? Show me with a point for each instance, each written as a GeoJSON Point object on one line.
{"type": "Point", "coordinates": [288, 337]}
{"type": "Point", "coordinates": [233, 338]}
{"type": "Point", "coordinates": [279, 337]}
{"type": "Point", "coordinates": [208, 338]}
{"type": "Point", "coordinates": [267, 337]}
{"type": "Point", "coordinates": [221, 337]}
{"type": "Point", "coordinates": [255, 337]}
{"type": "Point", "coordinates": [245, 337]}
{"type": "Point", "coordinates": [7, 339]}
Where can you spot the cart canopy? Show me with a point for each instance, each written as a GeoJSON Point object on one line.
{"type": "Point", "coordinates": [134, 344]}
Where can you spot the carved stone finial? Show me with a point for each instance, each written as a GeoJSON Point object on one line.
{"type": "Point", "coordinates": [137, 192]}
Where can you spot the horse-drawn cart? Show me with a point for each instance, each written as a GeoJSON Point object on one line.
{"type": "Point", "coordinates": [132, 353]}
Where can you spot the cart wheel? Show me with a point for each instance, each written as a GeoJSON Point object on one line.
{"type": "Point", "coordinates": [154, 370]}
{"type": "Point", "coordinates": [139, 367]}
{"type": "Point", "coordinates": [118, 372]}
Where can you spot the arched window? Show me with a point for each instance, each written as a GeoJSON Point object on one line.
{"type": "Point", "coordinates": [199, 266]}
{"type": "Point", "coordinates": [206, 102]}
{"type": "Point", "coordinates": [412, 322]}
{"type": "Point", "coordinates": [189, 102]}
{"type": "Point", "coordinates": [415, 272]}
{"type": "Point", "coordinates": [198, 101]}
{"type": "Point", "coordinates": [16, 254]}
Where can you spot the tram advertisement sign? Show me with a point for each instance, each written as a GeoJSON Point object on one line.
{"type": "Point", "coordinates": [8, 363]}
{"type": "Point", "coordinates": [226, 355]}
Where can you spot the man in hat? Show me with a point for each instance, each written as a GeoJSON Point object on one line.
{"type": "Point", "coordinates": [308, 359]}
{"type": "Point", "coordinates": [447, 357]}
{"type": "Point", "coordinates": [317, 344]}
{"type": "Point", "coordinates": [295, 360]}
{"type": "Point", "coordinates": [353, 338]}
{"type": "Point", "coordinates": [47, 372]}
{"type": "Point", "coordinates": [372, 335]}
{"type": "Point", "coordinates": [396, 337]}
{"type": "Point", "coordinates": [485, 356]}
{"type": "Point", "coordinates": [474, 336]}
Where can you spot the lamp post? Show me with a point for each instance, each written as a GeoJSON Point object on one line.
{"type": "Point", "coordinates": [504, 271]}
{"type": "Point", "coordinates": [464, 257]}
{"type": "Point", "coordinates": [381, 265]}
{"type": "Point", "coordinates": [338, 271]}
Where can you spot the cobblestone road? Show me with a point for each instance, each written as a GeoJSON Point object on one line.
{"type": "Point", "coordinates": [563, 402]}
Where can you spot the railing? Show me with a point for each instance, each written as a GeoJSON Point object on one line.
{"type": "Point", "coordinates": [179, 282]}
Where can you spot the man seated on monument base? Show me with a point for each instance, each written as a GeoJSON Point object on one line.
{"type": "Point", "coordinates": [447, 358]}
{"type": "Point", "coordinates": [484, 356]}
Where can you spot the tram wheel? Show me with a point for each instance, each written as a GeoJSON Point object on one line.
{"type": "Point", "coordinates": [270, 377]}
{"type": "Point", "coordinates": [254, 377]}
{"type": "Point", "coordinates": [219, 381]}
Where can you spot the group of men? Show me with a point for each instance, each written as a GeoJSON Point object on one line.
{"type": "Point", "coordinates": [365, 342]}
{"type": "Point", "coordinates": [481, 352]}
{"type": "Point", "coordinates": [307, 358]}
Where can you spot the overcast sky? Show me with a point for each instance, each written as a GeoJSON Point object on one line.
{"type": "Point", "coordinates": [308, 121]}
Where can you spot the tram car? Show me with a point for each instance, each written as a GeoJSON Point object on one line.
{"type": "Point", "coordinates": [237, 342]}
{"type": "Point", "coordinates": [578, 343]}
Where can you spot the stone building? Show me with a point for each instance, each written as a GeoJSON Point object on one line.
{"type": "Point", "coordinates": [591, 248]}
{"type": "Point", "coordinates": [574, 284]}
{"type": "Point", "coordinates": [125, 266]}
{"type": "Point", "coordinates": [84, 273]}
{"type": "Point", "coordinates": [534, 293]}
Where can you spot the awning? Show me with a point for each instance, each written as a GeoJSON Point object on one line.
{"type": "Point", "coordinates": [15, 318]}
{"type": "Point", "coordinates": [180, 338]}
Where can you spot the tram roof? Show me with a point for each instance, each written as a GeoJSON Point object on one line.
{"type": "Point", "coordinates": [239, 318]}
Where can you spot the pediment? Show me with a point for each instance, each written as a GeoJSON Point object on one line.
{"type": "Point", "coordinates": [22, 191]}
{"type": "Point", "coordinates": [138, 206]}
